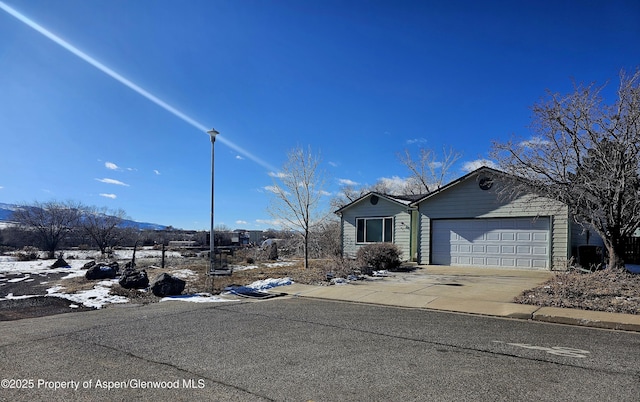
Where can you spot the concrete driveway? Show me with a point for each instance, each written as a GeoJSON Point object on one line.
{"type": "Point", "coordinates": [465, 290]}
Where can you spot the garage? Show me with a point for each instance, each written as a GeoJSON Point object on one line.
{"type": "Point", "coordinates": [498, 242]}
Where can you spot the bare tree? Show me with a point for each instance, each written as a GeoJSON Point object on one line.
{"type": "Point", "coordinates": [51, 222]}
{"type": "Point", "coordinates": [297, 193]}
{"type": "Point", "coordinates": [325, 239]}
{"type": "Point", "coordinates": [348, 194]}
{"type": "Point", "coordinates": [586, 154]}
{"type": "Point", "coordinates": [103, 226]}
{"type": "Point", "coordinates": [429, 171]}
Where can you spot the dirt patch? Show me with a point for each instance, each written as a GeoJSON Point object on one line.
{"type": "Point", "coordinates": [608, 290]}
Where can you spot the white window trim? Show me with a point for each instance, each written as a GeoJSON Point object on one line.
{"type": "Point", "coordinates": [384, 220]}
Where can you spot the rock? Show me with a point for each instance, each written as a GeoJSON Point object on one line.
{"type": "Point", "coordinates": [167, 285]}
{"type": "Point", "coordinates": [134, 279]}
{"type": "Point", "coordinates": [101, 271]}
{"type": "Point", "coordinates": [60, 263]}
{"type": "Point", "coordinates": [89, 264]}
{"type": "Point", "coordinates": [114, 265]}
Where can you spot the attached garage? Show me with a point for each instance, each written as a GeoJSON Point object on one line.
{"type": "Point", "coordinates": [469, 223]}
{"type": "Point", "coordinates": [501, 242]}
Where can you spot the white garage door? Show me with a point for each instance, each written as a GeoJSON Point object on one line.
{"type": "Point", "coordinates": [508, 242]}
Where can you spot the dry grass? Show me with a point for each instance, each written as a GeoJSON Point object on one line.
{"type": "Point", "coordinates": [199, 282]}
{"type": "Point", "coordinates": [315, 274]}
{"type": "Point", "coordinates": [607, 290]}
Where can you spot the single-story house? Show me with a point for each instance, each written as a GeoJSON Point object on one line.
{"type": "Point", "coordinates": [467, 223]}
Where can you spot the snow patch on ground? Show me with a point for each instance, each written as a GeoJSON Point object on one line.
{"type": "Point", "coordinates": [97, 297]}
{"type": "Point", "coordinates": [268, 265]}
{"type": "Point", "coordinates": [196, 298]}
{"type": "Point", "coordinates": [270, 283]}
{"type": "Point", "coordinates": [184, 274]}
{"type": "Point", "coordinates": [41, 267]}
{"type": "Point", "coordinates": [10, 296]}
{"type": "Point", "coordinates": [242, 267]}
{"type": "Point", "coordinates": [279, 264]}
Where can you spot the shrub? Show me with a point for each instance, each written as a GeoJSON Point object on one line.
{"type": "Point", "coordinates": [28, 253]}
{"type": "Point", "coordinates": [339, 267]}
{"type": "Point", "coordinates": [378, 256]}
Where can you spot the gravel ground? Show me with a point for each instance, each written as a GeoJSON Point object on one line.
{"type": "Point", "coordinates": [607, 290]}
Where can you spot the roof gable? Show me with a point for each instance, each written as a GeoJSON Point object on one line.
{"type": "Point", "coordinates": [402, 200]}
{"type": "Point", "coordinates": [459, 180]}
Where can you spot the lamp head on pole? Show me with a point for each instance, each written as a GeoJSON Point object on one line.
{"type": "Point", "coordinates": [213, 134]}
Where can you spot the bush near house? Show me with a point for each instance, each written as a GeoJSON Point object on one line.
{"type": "Point", "coordinates": [378, 256]}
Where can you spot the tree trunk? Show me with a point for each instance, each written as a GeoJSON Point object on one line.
{"type": "Point", "coordinates": [306, 250]}
{"type": "Point", "coordinates": [616, 250]}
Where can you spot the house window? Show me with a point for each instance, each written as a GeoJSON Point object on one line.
{"type": "Point", "coordinates": [374, 230]}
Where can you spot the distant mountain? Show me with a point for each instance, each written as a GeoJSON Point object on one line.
{"type": "Point", "coordinates": [142, 225]}
{"type": "Point", "coordinates": [6, 210]}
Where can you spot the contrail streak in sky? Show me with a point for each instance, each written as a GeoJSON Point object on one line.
{"type": "Point", "coordinates": [66, 45]}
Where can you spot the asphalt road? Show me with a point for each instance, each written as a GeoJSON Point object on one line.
{"type": "Point", "coordinates": [301, 349]}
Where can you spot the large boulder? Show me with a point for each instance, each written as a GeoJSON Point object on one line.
{"type": "Point", "coordinates": [167, 285]}
{"type": "Point", "coordinates": [89, 264]}
{"type": "Point", "coordinates": [134, 279]}
{"type": "Point", "coordinates": [101, 271]}
{"type": "Point", "coordinates": [114, 265]}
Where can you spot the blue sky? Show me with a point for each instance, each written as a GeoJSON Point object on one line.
{"type": "Point", "coordinates": [357, 81]}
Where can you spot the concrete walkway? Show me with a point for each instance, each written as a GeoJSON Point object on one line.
{"type": "Point", "coordinates": [465, 290]}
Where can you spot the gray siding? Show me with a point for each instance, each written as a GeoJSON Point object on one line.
{"type": "Point", "coordinates": [383, 209]}
{"type": "Point", "coordinates": [579, 236]}
{"type": "Point", "coordinates": [467, 200]}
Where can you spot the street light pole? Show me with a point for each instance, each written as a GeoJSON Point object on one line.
{"type": "Point", "coordinates": [212, 256]}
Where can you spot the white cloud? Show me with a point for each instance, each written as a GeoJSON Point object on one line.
{"type": "Point", "coordinates": [241, 222]}
{"type": "Point", "coordinates": [334, 164]}
{"type": "Point", "coordinates": [105, 195]}
{"type": "Point", "coordinates": [239, 157]}
{"type": "Point", "coordinates": [347, 182]}
{"type": "Point", "coordinates": [278, 175]}
{"type": "Point", "coordinates": [416, 141]}
{"type": "Point", "coordinates": [275, 190]}
{"type": "Point", "coordinates": [534, 142]}
{"type": "Point", "coordinates": [111, 166]}
{"type": "Point", "coordinates": [1, 187]}
{"type": "Point", "coordinates": [156, 172]}
{"type": "Point", "coordinates": [394, 184]}
{"type": "Point", "coordinates": [112, 181]}
{"type": "Point", "coordinates": [269, 222]}
{"type": "Point", "coordinates": [325, 193]}
{"type": "Point", "coordinates": [478, 163]}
